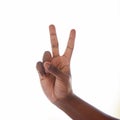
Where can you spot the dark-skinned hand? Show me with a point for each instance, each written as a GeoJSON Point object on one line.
{"type": "Point", "coordinates": [54, 70]}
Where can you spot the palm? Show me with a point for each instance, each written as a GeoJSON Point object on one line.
{"type": "Point", "coordinates": [61, 63]}
{"type": "Point", "coordinates": [56, 87]}
{"type": "Point", "coordinates": [52, 86]}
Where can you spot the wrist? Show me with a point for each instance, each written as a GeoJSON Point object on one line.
{"type": "Point", "coordinates": [70, 106]}
{"type": "Point", "coordinates": [64, 101]}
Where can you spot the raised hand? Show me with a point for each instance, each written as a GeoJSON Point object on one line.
{"type": "Point", "coordinates": [54, 70]}
{"type": "Point", "coordinates": [54, 73]}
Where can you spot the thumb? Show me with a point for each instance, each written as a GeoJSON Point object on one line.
{"type": "Point", "coordinates": [55, 71]}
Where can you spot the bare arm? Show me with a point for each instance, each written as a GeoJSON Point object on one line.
{"type": "Point", "coordinates": [78, 109]}
{"type": "Point", "coordinates": [54, 73]}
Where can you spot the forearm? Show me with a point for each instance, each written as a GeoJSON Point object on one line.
{"type": "Point", "coordinates": [78, 109]}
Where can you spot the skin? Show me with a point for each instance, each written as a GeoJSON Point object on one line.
{"type": "Point", "coordinates": [55, 79]}
{"type": "Point", "coordinates": [56, 86]}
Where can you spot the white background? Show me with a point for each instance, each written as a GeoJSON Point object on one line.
{"type": "Point", "coordinates": [95, 64]}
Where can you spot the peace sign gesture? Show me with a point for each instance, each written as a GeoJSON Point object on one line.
{"type": "Point", "coordinates": [54, 70]}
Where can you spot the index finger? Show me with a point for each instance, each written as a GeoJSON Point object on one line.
{"type": "Point", "coordinates": [54, 41]}
{"type": "Point", "coordinates": [70, 45]}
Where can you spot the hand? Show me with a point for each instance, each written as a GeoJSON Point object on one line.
{"type": "Point", "coordinates": [54, 70]}
{"type": "Point", "coordinates": [54, 73]}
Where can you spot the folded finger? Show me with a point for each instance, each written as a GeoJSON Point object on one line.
{"type": "Point", "coordinates": [47, 56]}
{"type": "Point", "coordinates": [41, 70]}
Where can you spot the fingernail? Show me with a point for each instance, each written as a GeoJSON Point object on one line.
{"type": "Point", "coordinates": [46, 65]}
